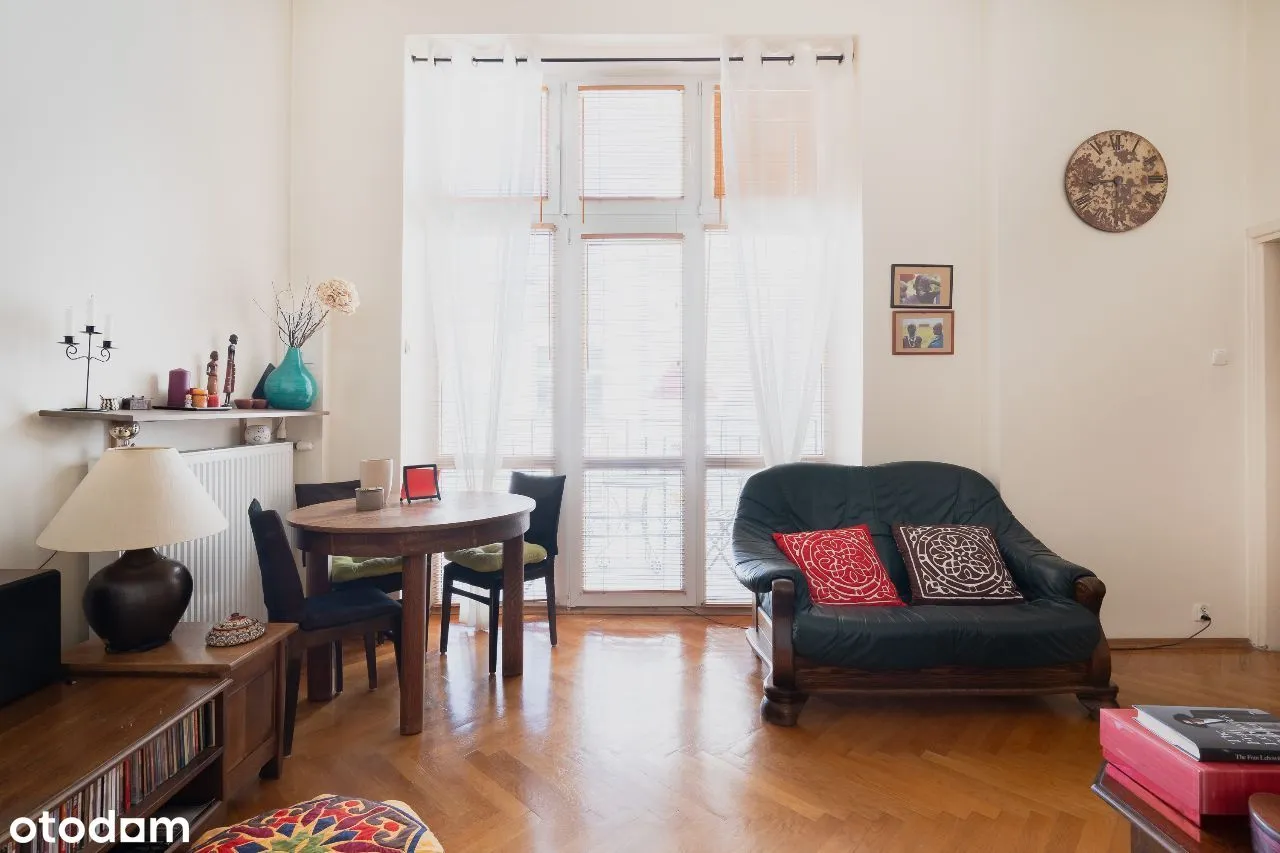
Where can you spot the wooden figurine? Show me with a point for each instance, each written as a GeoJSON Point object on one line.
{"type": "Point", "coordinates": [229, 385]}
{"type": "Point", "coordinates": [211, 371]}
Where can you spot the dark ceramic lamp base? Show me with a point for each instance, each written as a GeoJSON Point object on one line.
{"type": "Point", "coordinates": [134, 603]}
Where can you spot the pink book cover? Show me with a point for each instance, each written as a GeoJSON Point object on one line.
{"type": "Point", "coordinates": [1192, 787]}
{"type": "Point", "coordinates": [1131, 785]}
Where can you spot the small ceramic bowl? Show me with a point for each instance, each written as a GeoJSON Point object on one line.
{"type": "Point", "coordinates": [244, 403]}
{"type": "Point", "coordinates": [259, 404]}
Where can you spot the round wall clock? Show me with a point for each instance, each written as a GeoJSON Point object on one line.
{"type": "Point", "coordinates": [1116, 180]}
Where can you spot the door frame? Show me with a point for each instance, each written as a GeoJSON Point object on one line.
{"type": "Point", "coordinates": [1263, 632]}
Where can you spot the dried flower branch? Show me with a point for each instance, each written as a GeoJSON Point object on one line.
{"type": "Point", "coordinates": [304, 317]}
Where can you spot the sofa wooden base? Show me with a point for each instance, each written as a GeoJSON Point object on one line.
{"type": "Point", "coordinates": [790, 679]}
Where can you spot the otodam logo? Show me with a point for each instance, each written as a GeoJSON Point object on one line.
{"type": "Point", "coordinates": [104, 829]}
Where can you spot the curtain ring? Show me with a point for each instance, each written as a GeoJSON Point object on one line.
{"type": "Point", "coordinates": [791, 60]}
{"type": "Point", "coordinates": [475, 62]}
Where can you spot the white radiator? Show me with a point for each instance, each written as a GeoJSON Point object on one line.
{"type": "Point", "coordinates": [225, 566]}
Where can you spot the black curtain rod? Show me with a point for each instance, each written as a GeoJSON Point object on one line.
{"type": "Point", "coordinates": [837, 57]}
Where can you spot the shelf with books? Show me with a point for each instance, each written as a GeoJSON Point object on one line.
{"type": "Point", "coordinates": [112, 747]}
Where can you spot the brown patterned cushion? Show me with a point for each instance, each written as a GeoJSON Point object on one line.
{"type": "Point", "coordinates": [954, 564]}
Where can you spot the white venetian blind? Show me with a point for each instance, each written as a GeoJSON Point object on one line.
{"type": "Point", "coordinates": [633, 485]}
{"type": "Point", "coordinates": [633, 141]}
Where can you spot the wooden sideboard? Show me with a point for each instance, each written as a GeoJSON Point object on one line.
{"type": "Point", "coordinates": [64, 739]}
{"type": "Point", "coordinates": [254, 701]}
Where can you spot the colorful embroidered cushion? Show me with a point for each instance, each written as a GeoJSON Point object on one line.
{"type": "Point", "coordinates": [488, 558]}
{"type": "Point", "coordinates": [841, 566]}
{"type": "Point", "coordinates": [327, 822]}
{"type": "Point", "coordinates": [954, 564]}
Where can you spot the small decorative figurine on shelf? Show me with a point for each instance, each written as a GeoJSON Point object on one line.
{"type": "Point", "coordinates": [211, 371]}
{"type": "Point", "coordinates": [229, 385]}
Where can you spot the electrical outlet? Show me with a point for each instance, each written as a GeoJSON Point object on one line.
{"type": "Point", "coordinates": [1201, 612]}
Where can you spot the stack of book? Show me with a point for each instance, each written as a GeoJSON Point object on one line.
{"type": "Point", "coordinates": [1191, 763]}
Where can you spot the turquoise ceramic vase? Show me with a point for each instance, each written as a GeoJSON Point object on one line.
{"type": "Point", "coordinates": [291, 385]}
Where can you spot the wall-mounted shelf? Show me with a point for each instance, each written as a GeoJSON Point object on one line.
{"type": "Point", "coordinates": [146, 416]}
{"type": "Point", "coordinates": [123, 424]}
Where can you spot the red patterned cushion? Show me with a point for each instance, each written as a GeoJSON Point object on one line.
{"type": "Point", "coordinates": [841, 566]}
{"type": "Point", "coordinates": [327, 822]}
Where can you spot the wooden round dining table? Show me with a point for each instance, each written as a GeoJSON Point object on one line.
{"type": "Point", "coordinates": [414, 531]}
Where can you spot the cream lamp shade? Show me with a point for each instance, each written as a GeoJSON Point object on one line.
{"type": "Point", "coordinates": [135, 497]}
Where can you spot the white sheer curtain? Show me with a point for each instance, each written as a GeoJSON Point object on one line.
{"type": "Point", "coordinates": [473, 167]}
{"type": "Point", "coordinates": [792, 216]}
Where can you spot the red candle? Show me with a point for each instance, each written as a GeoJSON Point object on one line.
{"type": "Point", "coordinates": [179, 382]}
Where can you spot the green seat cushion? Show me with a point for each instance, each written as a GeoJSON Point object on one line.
{"type": "Point", "coordinates": [488, 558]}
{"type": "Point", "coordinates": [343, 569]}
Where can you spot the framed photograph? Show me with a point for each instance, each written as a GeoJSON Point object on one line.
{"type": "Point", "coordinates": [924, 333]}
{"type": "Point", "coordinates": [921, 285]}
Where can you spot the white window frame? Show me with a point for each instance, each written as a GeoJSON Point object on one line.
{"type": "Point", "coordinates": [689, 216]}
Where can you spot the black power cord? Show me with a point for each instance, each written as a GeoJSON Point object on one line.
{"type": "Point", "coordinates": [1208, 623]}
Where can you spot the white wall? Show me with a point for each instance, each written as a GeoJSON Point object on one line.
{"type": "Point", "coordinates": [144, 158]}
{"type": "Point", "coordinates": [1081, 380]}
{"type": "Point", "coordinates": [1262, 52]}
{"type": "Point", "coordinates": [1122, 445]}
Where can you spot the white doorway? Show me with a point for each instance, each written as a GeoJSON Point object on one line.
{"type": "Point", "coordinates": [1262, 438]}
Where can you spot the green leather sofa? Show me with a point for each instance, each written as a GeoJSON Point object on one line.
{"type": "Point", "coordinates": [1052, 642]}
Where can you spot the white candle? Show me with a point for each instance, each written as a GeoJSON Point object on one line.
{"type": "Point", "coordinates": [66, 322]}
{"type": "Point", "coordinates": [107, 328]}
{"type": "Point", "coordinates": [89, 319]}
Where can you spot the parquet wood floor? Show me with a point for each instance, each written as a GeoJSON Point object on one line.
{"type": "Point", "coordinates": [642, 734]}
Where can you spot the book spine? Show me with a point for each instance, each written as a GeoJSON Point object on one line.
{"type": "Point", "coordinates": [1147, 758]}
{"type": "Point", "coordinates": [1167, 811]}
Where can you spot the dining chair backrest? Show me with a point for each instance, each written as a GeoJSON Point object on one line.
{"type": "Point", "coordinates": [281, 587]}
{"type": "Point", "coordinates": [544, 521]}
{"type": "Point", "coordinates": [306, 494]}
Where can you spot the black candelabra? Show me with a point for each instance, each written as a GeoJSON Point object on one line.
{"type": "Point", "coordinates": [73, 353]}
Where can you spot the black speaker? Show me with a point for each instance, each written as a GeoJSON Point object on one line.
{"type": "Point", "coordinates": [30, 635]}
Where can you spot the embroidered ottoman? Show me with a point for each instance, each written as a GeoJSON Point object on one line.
{"type": "Point", "coordinates": [327, 823]}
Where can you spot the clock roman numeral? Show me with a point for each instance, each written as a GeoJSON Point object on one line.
{"type": "Point", "coordinates": [1151, 198]}
{"type": "Point", "coordinates": [1083, 201]}
{"type": "Point", "coordinates": [1149, 162]}
{"type": "Point", "coordinates": [1096, 144]}
{"type": "Point", "coordinates": [1155, 179]}
{"type": "Point", "coordinates": [1117, 142]}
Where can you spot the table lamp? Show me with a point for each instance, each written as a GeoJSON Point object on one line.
{"type": "Point", "coordinates": [134, 499]}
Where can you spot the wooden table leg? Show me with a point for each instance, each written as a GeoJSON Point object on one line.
{"type": "Point", "coordinates": [513, 607]}
{"type": "Point", "coordinates": [319, 658]}
{"type": "Point", "coordinates": [413, 642]}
